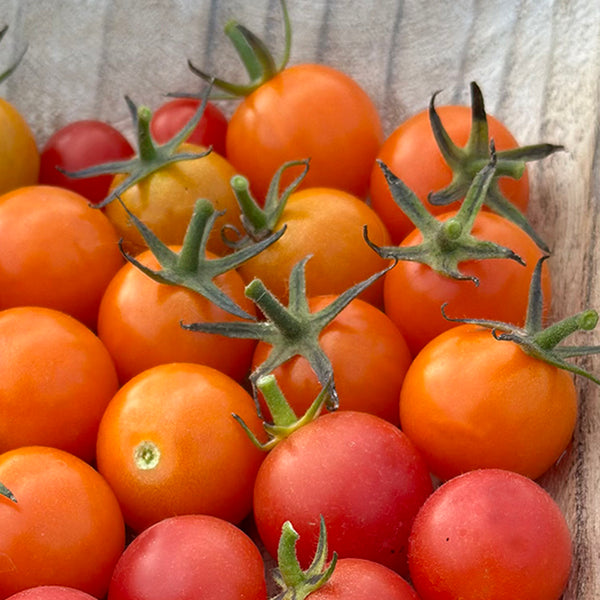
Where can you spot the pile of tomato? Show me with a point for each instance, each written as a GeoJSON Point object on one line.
{"type": "Point", "coordinates": [279, 352]}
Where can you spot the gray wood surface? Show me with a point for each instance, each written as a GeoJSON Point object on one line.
{"type": "Point", "coordinates": [536, 61]}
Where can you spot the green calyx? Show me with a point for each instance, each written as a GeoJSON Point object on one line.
{"type": "Point", "coordinates": [539, 342]}
{"type": "Point", "coordinates": [285, 420]}
{"type": "Point", "coordinates": [467, 161]}
{"type": "Point", "coordinates": [12, 68]}
{"type": "Point", "coordinates": [445, 243]}
{"type": "Point", "coordinates": [190, 268]}
{"type": "Point", "coordinates": [4, 491]}
{"type": "Point", "coordinates": [255, 56]}
{"type": "Point", "coordinates": [260, 222]}
{"type": "Point", "coordinates": [150, 156]}
{"type": "Point", "coordinates": [292, 330]}
{"type": "Point", "coordinates": [295, 583]}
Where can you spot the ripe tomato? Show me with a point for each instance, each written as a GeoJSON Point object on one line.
{"type": "Point", "coordinates": [171, 117]}
{"type": "Point", "coordinates": [358, 579]}
{"type": "Point", "coordinates": [57, 378]}
{"type": "Point", "coordinates": [306, 111]}
{"type": "Point", "coordinates": [358, 471]}
{"type": "Point", "coordinates": [327, 224]}
{"type": "Point", "coordinates": [470, 401]}
{"type": "Point", "coordinates": [369, 358]}
{"type": "Point", "coordinates": [139, 321]}
{"type": "Point", "coordinates": [66, 529]}
{"type": "Point", "coordinates": [168, 445]}
{"type": "Point", "coordinates": [51, 592]}
{"type": "Point", "coordinates": [78, 145]}
{"type": "Point", "coordinates": [414, 293]}
{"type": "Point", "coordinates": [190, 556]}
{"type": "Point", "coordinates": [412, 154]}
{"type": "Point", "coordinates": [490, 535]}
{"type": "Point", "coordinates": [56, 251]}
{"type": "Point", "coordinates": [165, 200]}
{"type": "Point", "coordinates": [19, 154]}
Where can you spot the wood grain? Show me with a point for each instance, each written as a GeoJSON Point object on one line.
{"type": "Point", "coordinates": [537, 62]}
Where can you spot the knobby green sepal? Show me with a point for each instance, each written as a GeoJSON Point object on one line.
{"type": "Point", "coordinates": [190, 267]}
{"type": "Point", "coordinates": [539, 341]}
{"type": "Point", "coordinates": [284, 419]}
{"type": "Point", "coordinates": [150, 156]}
{"type": "Point", "coordinates": [448, 243]}
{"type": "Point", "coordinates": [292, 330]}
{"type": "Point", "coordinates": [4, 491]}
{"type": "Point", "coordinates": [295, 583]}
{"type": "Point", "coordinates": [5, 74]}
{"type": "Point", "coordinates": [467, 161]}
{"type": "Point", "coordinates": [255, 56]}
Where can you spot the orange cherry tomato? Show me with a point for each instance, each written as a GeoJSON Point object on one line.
{"type": "Point", "coordinates": [306, 111]}
{"type": "Point", "coordinates": [412, 154]}
{"type": "Point", "coordinates": [164, 200]}
{"type": "Point", "coordinates": [369, 358]}
{"type": "Point", "coordinates": [66, 528]}
{"type": "Point", "coordinates": [470, 401]}
{"type": "Point", "coordinates": [57, 379]}
{"type": "Point", "coordinates": [414, 293]}
{"type": "Point", "coordinates": [19, 154]}
{"type": "Point", "coordinates": [140, 323]}
{"type": "Point", "coordinates": [168, 444]}
{"type": "Point", "coordinates": [327, 224]}
{"type": "Point", "coordinates": [55, 251]}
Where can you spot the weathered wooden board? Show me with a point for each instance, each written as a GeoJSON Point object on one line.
{"type": "Point", "coordinates": [537, 62]}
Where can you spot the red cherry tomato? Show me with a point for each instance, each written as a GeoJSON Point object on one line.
{"type": "Point", "coordinates": [51, 592]}
{"type": "Point", "coordinates": [490, 535]}
{"type": "Point", "coordinates": [170, 118]}
{"type": "Point", "coordinates": [79, 145]}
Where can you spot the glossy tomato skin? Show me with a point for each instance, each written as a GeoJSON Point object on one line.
{"type": "Point", "coordinates": [358, 579]}
{"type": "Point", "coordinates": [19, 154]}
{"type": "Point", "coordinates": [172, 116]}
{"type": "Point", "coordinates": [190, 556]}
{"type": "Point", "coordinates": [79, 145]}
{"type": "Point", "coordinates": [470, 401]}
{"type": "Point", "coordinates": [326, 224]}
{"type": "Point", "coordinates": [139, 321]}
{"type": "Point", "coordinates": [358, 471]}
{"type": "Point", "coordinates": [306, 111]}
{"type": "Point", "coordinates": [57, 252]}
{"type": "Point", "coordinates": [165, 200]}
{"type": "Point", "coordinates": [490, 535]}
{"type": "Point", "coordinates": [168, 444]}
{"type": "Point", "coordinates": [369, 357]}
{"type": "Point", "coordinates": [57, 379]}
{"type": "Point", "coordinates": [412, 154]}
{"type": "Point", "coordinates": [414, 293]}
{"type": "Point", "coordinates": [67, 528]}
{"type": "Point", "coordinates": [51, 592]}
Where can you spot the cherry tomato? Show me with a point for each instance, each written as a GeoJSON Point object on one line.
{"type": "Point", "coordinates": [412, 154]}
{"type": "Point", "coordinates": [19, 154]}
{"type": "Point", "coordinates": [78, 145]}
{"type": "Point", "coordinates": [414, 293]}
{"type": "Point", "coordinates": [358, 471]}
{"type": "Point", "coordinates": [328, 225]}
{"type": "Point", "coordinates": [490, 535]}
{"type": "Point", "coordinates": [358, 579]}
{"type": "Point", "coordinates": [470, 401]}
{"type": "Point", "coordinates": [51, 592]}
{"type": "Point", "coordinates": [56, 251]}
{"type": "Point", "coordinates": [165, 200]}
{"type": "Point", "coordinates": [306, 111]}
{"type": "Point", "coordinates": [66, 527]}
{"type": "Point", "coordinates": [168, 445]}
{"type": "Point", "coordinates": [140, 322]}
{"type": "Point", "coordinates": [57, 378]}
{"type": "Point", "coordinates": [190, 556]}
{"type": "Point", "coordinates": [369, 358]}
{"type": "Point", "coordinates": [171, 117]}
